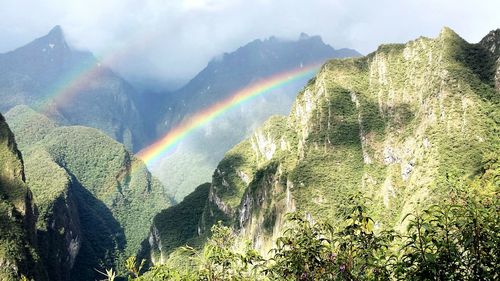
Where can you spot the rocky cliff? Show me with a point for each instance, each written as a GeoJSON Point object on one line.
{"type": "Point", "coordinates": [59, 228]}
{"type": "Point", "coordinates": [178, 225]}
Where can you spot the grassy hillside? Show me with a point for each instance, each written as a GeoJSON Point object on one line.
{"type": "Point", "coordinates": [96, 200]}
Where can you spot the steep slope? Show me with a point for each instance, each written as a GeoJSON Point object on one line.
{"type": "Point", "coordinates": [388, 131]}
{"type": "Point", "coordinates": [95, 198]}
{"type": "Point", "coordinates": [220, 79]}
{"type": "Point", "coordinates": [71, 87]}
{"type": "Point", "coordinates": [59, 230]}
{"type": "Point", "coordinates": [178, 225]}
{"type": "Point", "coordinates": [18, 253]}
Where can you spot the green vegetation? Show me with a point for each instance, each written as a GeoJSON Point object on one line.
{"type": "Point", "coordinates": [13, 243]}
{"type": "Point", "coordinates": [178, 225]}
{"type": "Point", "coordinates": [47, 180]}
{"type": "Point", "coordinates": [31, 126]}
{"type": "Point", "coordinates": [18, 254]}
{"type": "Point", "coordinates": [180, 183]}
{"type": "Point", "coordinates": [457, 240]}
{"type": "Point", "coordinates": [96, 201]}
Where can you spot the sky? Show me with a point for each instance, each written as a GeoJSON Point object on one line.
{"type": "Point", "coordinates": [172, 40]}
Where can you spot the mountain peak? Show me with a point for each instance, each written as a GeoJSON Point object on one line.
{"type": "Point", "coordinates": [52, 43]}
{"type": "Point", "coordinates": [447, 32]}
{"type": "Point", "coordinates": [314, 39]}
{"type": "Point", "coordinates": [55, 34]}
{"type": "Point", "coordinates": [303, 36]}
{"type": "Point", "coordinates": [56, 30]}
{"type": "Point", "coordinates": [492, 42]}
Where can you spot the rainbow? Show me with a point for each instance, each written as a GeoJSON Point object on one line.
{"type": "Point", "coordinates": [64, 90]}
{"type": "Point", "coordinates": [67, 87]}
{"type": "Point", "coordinates": [163, 146]}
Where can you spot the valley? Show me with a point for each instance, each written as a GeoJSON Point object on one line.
{"type": "Point", "coordinates": [282, 160]}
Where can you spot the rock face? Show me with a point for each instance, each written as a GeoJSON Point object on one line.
{"type": "Point", "coordinates": [492, 43]}
{"type": "Point", "coordinates": [386, 130]}
{"type": "Point", "coordinates": [178, 225]}
{"type": "Point", "coordinates": [220, 79]}
{"type": "Point", "coordinates": [95, 199]}
{"type": "Point", "coordinates": [18, 253]}
{"type": "Point", "coordinates": [71, 87]}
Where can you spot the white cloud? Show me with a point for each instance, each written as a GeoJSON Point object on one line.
{"type": "Point", "coordinates": [175, 39]}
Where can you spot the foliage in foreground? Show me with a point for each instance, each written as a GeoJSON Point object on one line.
{"type": "Point", "coordinates": [456, 240]}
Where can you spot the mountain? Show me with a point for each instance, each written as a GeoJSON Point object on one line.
{"type": "Point", "coordinates": [18, 252]}
{"type": "Point", "coordinates": [390, 131]}
{"type": "Point", "coordinates": [95, 199]}
{"type": "Point", "coordinates": [71, 87]}
{"type": "Point", "coordinates": [192, 163]}
{"type": "Point", "coordinates": [252, 62]}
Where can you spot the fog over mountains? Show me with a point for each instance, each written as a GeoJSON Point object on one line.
{"type": "Point", "coordinates": [72, 87]}
{"type": "Point", "coordinates": [222, 77]}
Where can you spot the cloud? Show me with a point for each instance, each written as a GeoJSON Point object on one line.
{"type": "Point", "coordinates": [175, 39]}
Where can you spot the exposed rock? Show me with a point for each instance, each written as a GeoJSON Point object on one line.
{"type": "Point", "coordinates": [244, 177]}
{"type": "Point", "coordinates": [497, 76]}
{"type": "Point", "coordinates": [61, 240]}
{"type": "Point", "coordinates": [426, 143]}
{"type": "Point", "coordinates": [177, 225]}
{"type": "Point", "coordinates": [264, 145]}
{"type": "Point", "coordinates": [491, 42]}
{"type": "Point", "coordinates": [407, 169]}
{"type": "Point", "coordinates": [390, 156]}
{"type": "Point", "coordinates": [156, 255]}
{"type": "Point", "coordinates": [215, 199]}
{"type": "Point", "coordinates": [245, 210]}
